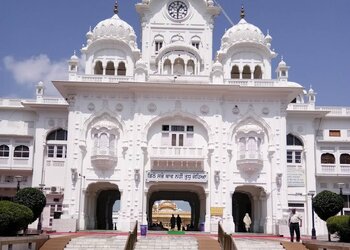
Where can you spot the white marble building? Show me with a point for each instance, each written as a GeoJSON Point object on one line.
{"type": "Point", "coordinates": [164, 121]}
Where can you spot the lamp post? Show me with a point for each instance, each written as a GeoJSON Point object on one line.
{"type": "Point", "coordinates": [19, 179]}
{"type": "Point", "coordinates": [341, 185]}
{"type": "Point", "coordinates": [313, 230]}
{"type": "Point", "coordinates": [39, 228]}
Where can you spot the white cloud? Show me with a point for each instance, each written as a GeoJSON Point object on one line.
{"type": "Point", "coordinates": [37, 68]}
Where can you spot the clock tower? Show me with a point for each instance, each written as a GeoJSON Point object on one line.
{"type": "Point", "coordinates": [177, 38]}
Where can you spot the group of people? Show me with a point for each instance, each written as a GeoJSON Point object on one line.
{"type": "Point", "coordinates": [176, 220]}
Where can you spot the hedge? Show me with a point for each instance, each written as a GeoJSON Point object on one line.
{"type": "Point", "coordinates": [341, 226]}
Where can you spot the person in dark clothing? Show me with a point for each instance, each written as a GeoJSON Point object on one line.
{"type": "Point", "coordinates": [172, 222]}
{"type": "Point", "coordinates": [178, 222]}
{"type": "Point", "coordinates": [294, 225]}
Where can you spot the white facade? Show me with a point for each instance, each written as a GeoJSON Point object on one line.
{"type": "Point", "coordinates": [168, 122]}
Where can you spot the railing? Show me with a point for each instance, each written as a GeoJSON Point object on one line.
{"type": "Point", "coordinates": [132, 239]}
{"type": "Point", "coordinates": [101, 78]}
{"type": "Point", "coordinates": [177, 152]}
{"type": "Point", "coordinates": [343, 111]}
{"type": "Point", "coordinates": [225, 240]}
{"type": "Point", "coordinates": [334, 169]}
{"type": "Point", "coordinates": [250, 155]}
{"type": "Point", "coordinates": [253, 82]}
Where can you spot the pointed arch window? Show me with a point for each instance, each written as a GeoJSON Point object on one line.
{"type": "Point", "coordinates": [294, 149]}
{"type": "Point", "coordinates": [190, 67]}
{"type": "Point", "coordinates": [57, 144]}
{"type": "Point", "coordinates": [179, 66]}
{"type": "Point", "coordinates": [327, 158]}
{"type": "Point", "coordinates": [121, 69]}
{"type": "Point", "coordinates": [110, 69]}
{"type": "Point", "coordinates": [293, 141]}
{"type": "Point", "coordinates": [4, 151]}
{"type": "Point", "coordinates": [167, 67]}
{"type": "Point", "coordinates": [257, 72]}
{"type": "Point", "coordinates": [344, 159]}
{"type": "Point", "coordinates": [98, 68]}
{"type": "Point", "coordinates": [235, 72]}
{"type": "Point", "coordinates": [246, 74]}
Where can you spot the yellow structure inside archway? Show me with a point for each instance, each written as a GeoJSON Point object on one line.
{"type": "Point", "coordinates": [163, 210]}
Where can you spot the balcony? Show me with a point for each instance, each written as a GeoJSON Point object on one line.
{"type": "Point", "coordinates": [103, 158]}
{"type": "Point", "coordinates": [177, 158]}
{"type": "Point", "coordinates": [249, 162]}
{"type": "Point", "coordinates": [15, 163]}
{"type": "Point", "coordinates": [333, 169]}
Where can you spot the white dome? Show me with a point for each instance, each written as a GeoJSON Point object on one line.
{"type": "Point", "coordinates": [114, 28]}
{"type": "Point", "coordinates": [242, 32]}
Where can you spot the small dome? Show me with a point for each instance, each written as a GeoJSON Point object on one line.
{"type": "Point", "coordinates": [217, 66]}
{"type": "Point", "coordinates": [114, 28]}
{"type": "Point", "coordinates": [282, 63]}
{"type": "Point", "coordinates": [74, 57]}
{"type": "Point", "coordinates": [242, 32]}
{"type": "Point", "coordinates": [268, 38]}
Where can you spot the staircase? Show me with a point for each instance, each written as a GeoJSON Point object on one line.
{"type": "Point", "coordinates": [251, 244]}
{"type": "Point", "coordinates": [293, 246]}
{"type": "Point", "coordinates": [166, 243]}
{"type": "Point", "coordinates": [97, 242]}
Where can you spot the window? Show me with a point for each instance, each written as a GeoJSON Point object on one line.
{"type": "Point", "coordinates": [246, 74]}
{"type": "Point", "coordinates": [158, 45]}
{"type": "Point", "coordinates": [334, 133]}
{"type": "Point", "coordinates": [257, 72]}
{"type": "Point", "coordinates": [167, 67]}
{"type": "Point", "coordinates": [57, 135]}
{"type": "Point", "coordinates": [195, 41]}
{"type": "Point", "coordinates": [327, 158]}
{"type": "Point", "coordinates": [344, 159]}
{"type": "Point", "coordinates": [293, 141]}
{"type": "Point", "coordinates": [195, 44]}
{"type": "Point", "coordinates": [98, 68]}
{"type": "Point", "coordinates": [235, 72]}
{"type": "Point", "coordinates": [121, 69]}
{"type": "Point", "coordinates": [9, 178]}
{"type": "Point", "coordinates": [4, 151]}
{"type": "Point", "coordinates": [293, 156]}
{"type": "Point", "coordinates": [110, 70]}
{"type": "Point", "coordinates": [190, 67]}
{"type": "Point", "coordinates": [57, 151]}
{"type": "Point", "coordinates": [21, 151]}
{"type": "Point", "coordinates": [179, 66]}
{"type": "Point", "coordinates": [177, 135]}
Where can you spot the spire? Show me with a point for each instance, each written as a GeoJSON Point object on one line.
{"type": "Point", "coordinates": [116, 9]}
{"type": "Point", "coordinates": [242, 12]}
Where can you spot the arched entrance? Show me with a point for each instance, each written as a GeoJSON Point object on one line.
{"type": "Point", "coordinates": [99, 201]}
{"type": "Point", "coordinates": [249, 199]}
{"type": "Point", "coordinates": [241, 205]}
{"type": "Point", "coordinates": [192, 194]}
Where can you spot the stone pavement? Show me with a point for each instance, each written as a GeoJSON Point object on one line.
{"type": "Point", "coordinates": [105, 242]}
{"type": "Point", "coordinates": [166, 242]}
{"type": "Point", "coordinates": [262, 244]}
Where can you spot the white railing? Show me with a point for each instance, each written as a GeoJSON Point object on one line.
{"type": "Point", "coordinates": [300, 106]}
{"type": "Point", "coordinates": [177, 152]}
{"type": "Point", "coordinates": [10, 103]}
{"type": "Point", "coordinates": [102, 78]}
{"type": "Point", "coordinates": [103, 152]}
{"type": "Point", "coordinates": [253, 82]}
{"type": "Point", "coordinates": [249, 155]}
{"type": "Point", "coordinates": [343, 111]}
{"type": "Point", "coordinates": [53, 100]}
{"type": "Point", "coordinates": [334, 169]}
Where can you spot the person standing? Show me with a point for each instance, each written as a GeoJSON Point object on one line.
{"type": "Point", "coordinates": [172, 222]}
{"type": "Point", "coordinates": [295, 222]}
{"type": "Point", "coordinates": [178, 222]}
{"type": "Point", "coordinates": [247, 221]}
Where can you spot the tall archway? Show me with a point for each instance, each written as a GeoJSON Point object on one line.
{"type": "Point", "coordinates": [241, 204]}
{"type": "Point", "coordinates": [98, 207]}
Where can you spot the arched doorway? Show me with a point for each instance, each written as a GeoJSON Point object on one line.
{"type": "Point", "coordinates": [99, 200]}
{"type": "Point", "coordinates": [179, 192]}
{"type": "Point", "coordinates": [241, 204]}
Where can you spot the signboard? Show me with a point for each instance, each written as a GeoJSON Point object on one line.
{"type": "Point", "coordinates": [176, 176]}
{"type": "Point", "coordinates": [295, 177]}
{"type": "Point", "coordinates": [217, 211]}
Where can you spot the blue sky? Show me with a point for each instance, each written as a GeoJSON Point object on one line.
{"type": "Point", "coordinates": [38, 37]}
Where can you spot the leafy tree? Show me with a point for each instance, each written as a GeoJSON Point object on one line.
{"type": "Point", "coordinates": [13, 217]}
{"type": "Point", "coordinates": [327, 204]}
{"type": "Point", "coordinates": [32, 198]}
{"type": "Point", "coordinates": [341, 226]}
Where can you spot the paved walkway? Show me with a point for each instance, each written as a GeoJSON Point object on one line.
{"type": "Point", "coordinates": [166, 242]}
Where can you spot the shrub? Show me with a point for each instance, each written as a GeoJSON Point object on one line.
{"type": "Point", "coordinates": [32, 198]}
{"type": "Point", "coordinates": [341, 226]}
{"type": "Point", "coordinates": [13, 217]}
{"type": "Point", "coordinates": [327, 204]}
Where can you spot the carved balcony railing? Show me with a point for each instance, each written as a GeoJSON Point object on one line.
{"type": "Point", "coordinates": [177, 158]}
{"type": "Point", "coordinates": [104, 158]}
{"type": "Point", "coordinates": [333, 169]}
{"type": "Point", "coordinates": [249, 161]}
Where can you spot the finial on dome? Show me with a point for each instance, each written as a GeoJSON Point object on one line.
{"type": "Point", "coordinates": [242, 12]}
{"type": "Point", "coordinates": [116, 8]}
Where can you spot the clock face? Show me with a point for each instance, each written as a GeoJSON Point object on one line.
{"type": "Point", "coordinates": [178, 10]}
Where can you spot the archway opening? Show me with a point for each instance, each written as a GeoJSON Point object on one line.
{"type": "Point", "coordinates": [101, 204]}
{"type": "Point", "coordinates": [241, 204]}
{"type": "Point", "coordinates": [172, 193]}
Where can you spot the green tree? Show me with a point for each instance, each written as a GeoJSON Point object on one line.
{"type": "Point", "coordinates": [341, 226]}
{"type": "Point", "coordinates": [13, 217]}
{"type": "Point", "coordinates": [33, 199]}
{"type": "Point", "coordinates": [327, 204]}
